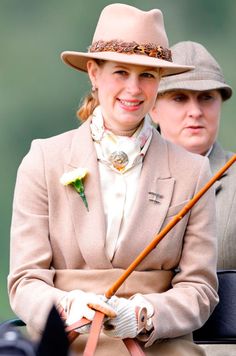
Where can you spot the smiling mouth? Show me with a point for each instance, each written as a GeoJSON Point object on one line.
{"type": "Point", "coordinates": [130, 103]}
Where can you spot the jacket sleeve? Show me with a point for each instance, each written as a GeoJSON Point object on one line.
{"type": "Point", "coordinates": [30, 281]}
{"type": "Point", "coordinates": [193, 296]}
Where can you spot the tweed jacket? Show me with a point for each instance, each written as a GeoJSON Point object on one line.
{"type": "Point", "coordinates": [56, 243]}
{"type": "Point", "coordinates": [225, 189]}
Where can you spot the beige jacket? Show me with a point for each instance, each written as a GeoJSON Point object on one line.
{"type": "Point", "coordinates": [53, 235]}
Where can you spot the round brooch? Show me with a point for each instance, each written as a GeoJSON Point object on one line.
{"type": "Point", "coordinates": [119, 160]}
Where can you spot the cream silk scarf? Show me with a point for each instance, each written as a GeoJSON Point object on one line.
{"type": "Point", "coordinates": [118, 185]}
{"type": "Point", "coordinates": [120, 152]}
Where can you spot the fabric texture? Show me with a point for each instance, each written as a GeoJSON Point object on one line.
{"type": "Point", "coordinates": [125, 324]}
{"type": "Point", "coordinates": [225, 189]}
{"type": "Point", "coordinates": [59, 236]}
{"type": "Point", "coordinates": [107, 143]}
{"type": "Point", "coordinates": [119, 185]}
{"type": "Point", "coordinates": [207, 74]}
{"type": "Point", "coordinates": [225, 207]}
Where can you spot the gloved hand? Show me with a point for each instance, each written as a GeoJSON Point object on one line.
{"type": "Point", "coordinates": [131, 317]}
{"type": "Point", "coordinates": [78, 304]}
{"type": "Point", "coordinates": [143, 302]}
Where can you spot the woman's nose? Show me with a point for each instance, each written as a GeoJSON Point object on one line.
{"type": "Point", "coordinates": [194, 109]}
{"type": "Point", "coordinates": [133, 85]}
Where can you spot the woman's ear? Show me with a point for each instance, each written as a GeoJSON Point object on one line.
{"type": "Point", "coordinates": [92, 68]}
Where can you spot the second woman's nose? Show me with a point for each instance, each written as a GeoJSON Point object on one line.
{"type": "Point", "coordinates": [194, 109]}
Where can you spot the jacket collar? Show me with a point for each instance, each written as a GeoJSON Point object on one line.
{"type": "Point", "coordinates": [90, 227]}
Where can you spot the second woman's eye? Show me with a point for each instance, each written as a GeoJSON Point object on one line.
{"type": "Point", "coordinates": [206, 97]}
{"type": "Point", "coordinates": [179, 98]}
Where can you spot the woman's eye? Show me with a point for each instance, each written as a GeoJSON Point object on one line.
{"type": "Point", "coordinates": [121, 72]}
{"type": "Point", "coordinates": [147, 75]}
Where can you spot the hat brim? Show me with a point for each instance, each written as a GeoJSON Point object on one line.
{"type": "Point", "coordinates": [78, 60]}
{"type": "Point", "coordinates": [196, 85]}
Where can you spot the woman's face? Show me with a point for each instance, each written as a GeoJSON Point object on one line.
{"type": "Point", "coordinates": [189, 118]}
{"type": "Point", "coordinates": [126, 92]}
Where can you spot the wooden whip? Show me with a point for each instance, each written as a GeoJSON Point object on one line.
{"type": "Point", "coordinates": [157, 238]}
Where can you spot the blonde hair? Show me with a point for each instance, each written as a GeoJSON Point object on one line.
{"type": "Point", "coordinates": [90, 102]}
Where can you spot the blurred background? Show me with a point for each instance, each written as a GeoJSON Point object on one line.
{"type": "Point", "coordinates": [39, 94]}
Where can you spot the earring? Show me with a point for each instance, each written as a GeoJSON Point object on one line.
{"type": "Point", "coordinates": [93, 88]}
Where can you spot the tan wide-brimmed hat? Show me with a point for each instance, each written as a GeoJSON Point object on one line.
{"type": "Point", "coordinates": [128, 35]}
{"type": "Point", "coordinates": [207, 74]}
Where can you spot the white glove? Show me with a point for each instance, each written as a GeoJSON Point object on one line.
{"type": "Point", "coordinates": [130, 320]}
{"type": "Point", "coordinates": [78, 304]}
{"type": "Point", "coordinates": [144, 303]}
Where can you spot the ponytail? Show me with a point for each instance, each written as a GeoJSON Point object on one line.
{"type": "Point", "coordinates": [89, 103]}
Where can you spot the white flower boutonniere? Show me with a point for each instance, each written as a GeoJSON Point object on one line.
{"type": "Point", "coordinates": [75, 178]}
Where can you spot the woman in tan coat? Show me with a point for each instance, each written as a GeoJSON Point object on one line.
{"type": "Point", "coordinates": [88, 201]}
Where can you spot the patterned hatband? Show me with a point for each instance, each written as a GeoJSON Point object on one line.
{"type": "Point", "coordinates": [148, 49]}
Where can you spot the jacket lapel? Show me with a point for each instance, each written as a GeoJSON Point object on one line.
{"type": "Point", "coordinates": [152, 202]}
{"type": "Point", "coordinates": [217, 160]}
{"type": "Point", "coordinates": [89, 225]}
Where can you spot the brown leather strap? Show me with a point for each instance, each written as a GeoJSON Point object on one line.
{"type": "Point", "coordinates": [71, 333]}
{"type": "Point", "coordinates": [77, 324]}
{"type": "Point", "coordinates": [133, 347]}
{"type": "Point", "coordinates": [94, 334]}
{"type": "Point", "coordinates": [70, 330]}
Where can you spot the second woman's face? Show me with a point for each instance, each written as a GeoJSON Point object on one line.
{"type": "Point", "coordinates": [126, 92]}
{"type": "Point", "coordinates": [189, 118]}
